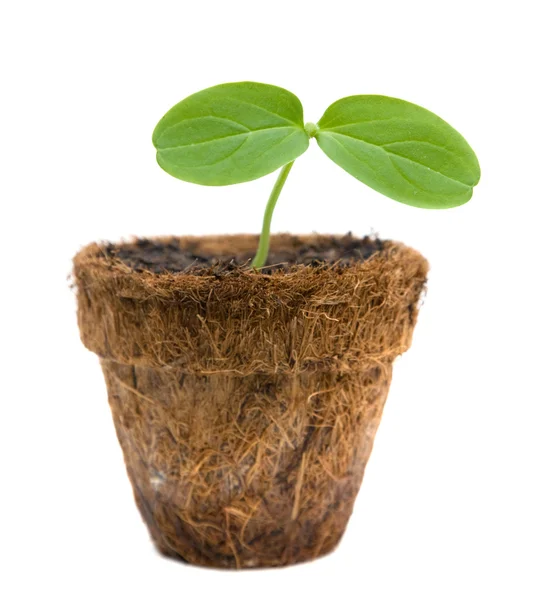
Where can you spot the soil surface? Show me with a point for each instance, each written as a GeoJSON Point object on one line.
{"type": "Point", "coordinates": [160, 256]}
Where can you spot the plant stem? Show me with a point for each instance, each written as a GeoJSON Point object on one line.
{"type": "Point", "coordinates": [263, 249]}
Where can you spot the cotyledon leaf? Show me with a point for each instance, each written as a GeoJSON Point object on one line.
{"type": "Point", "coordinates": [231, 133]}
{"type": "Point", "coordinates": [400, 150]}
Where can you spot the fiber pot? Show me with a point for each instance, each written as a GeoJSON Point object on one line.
{"type": "Point", "coordinates": [246, 403]}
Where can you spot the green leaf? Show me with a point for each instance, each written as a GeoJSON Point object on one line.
{"type": "Point", "coordinates": [231, 133]}
{"type": "Point", "coordinates": [400, 150]}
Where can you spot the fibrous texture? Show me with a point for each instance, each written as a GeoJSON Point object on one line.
{"type": "Point", "coordinates": [246, 404]}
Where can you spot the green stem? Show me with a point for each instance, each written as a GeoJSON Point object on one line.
{"type": "Point", "coordinates": [263, 249]}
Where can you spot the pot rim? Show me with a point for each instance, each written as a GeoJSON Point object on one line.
{"type": "Point", "coordinates": [243, 322]}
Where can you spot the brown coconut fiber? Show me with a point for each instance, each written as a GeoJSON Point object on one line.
{"type": "Point", "coordinates": [246, 402]}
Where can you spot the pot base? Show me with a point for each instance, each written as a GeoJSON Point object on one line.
{"type": "Point", "coordinates": [253, 471]}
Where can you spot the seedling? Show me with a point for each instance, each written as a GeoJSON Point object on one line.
{"type": "Point", "coordinates": [238, 132]}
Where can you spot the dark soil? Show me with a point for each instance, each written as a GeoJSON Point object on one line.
{"type": "Point", "coordinates": [167, 256]}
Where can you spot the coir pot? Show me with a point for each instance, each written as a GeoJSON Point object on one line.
{"type": "Point", "coordinates": [245, 402]}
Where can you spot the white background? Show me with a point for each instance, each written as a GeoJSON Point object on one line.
{"type": "Point", "coordinates": [452, 501]}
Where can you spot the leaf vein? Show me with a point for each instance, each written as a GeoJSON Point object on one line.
{"type": "Point", "coordinates": [406, 178]}
{"type": "Point", "coordinates": [329, 128]}
{"type": "Point", "coordinates": [207, 117]}
{"type": "Point", "coordinates": [262, 109]}
{"type": "Point", "coordinates": [388, 152]}
{"type": "Point", "coordinates": [223, 137]}
{"type": "Point", "coordinates": [277, 142]}
{"type": "Point", "coordinates": [358, 158]}
{"type": "Point", "coordinates": [207, 166]}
